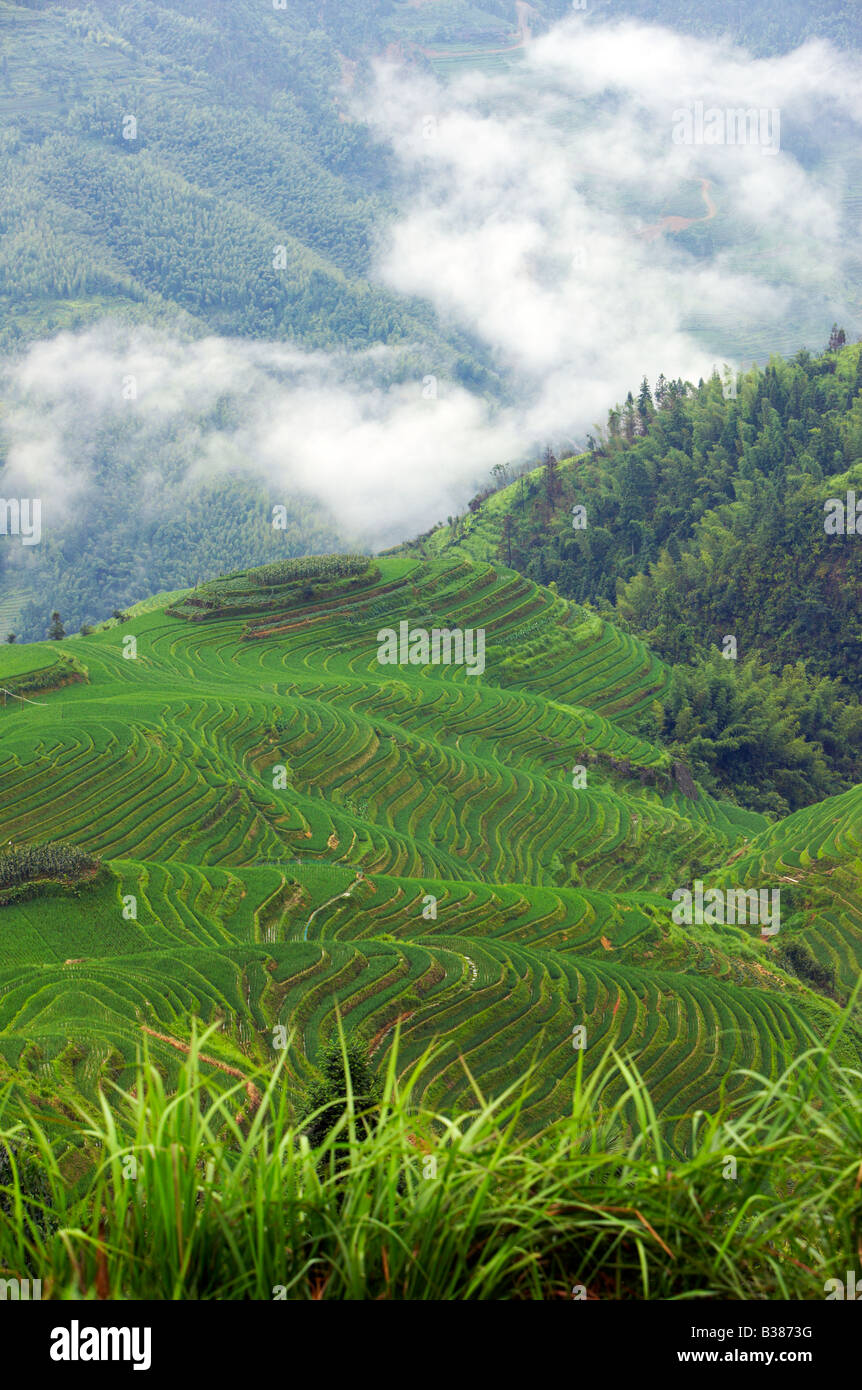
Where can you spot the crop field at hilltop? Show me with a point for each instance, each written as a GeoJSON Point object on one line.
{"type": "Point", "coordinates": [289, 830]}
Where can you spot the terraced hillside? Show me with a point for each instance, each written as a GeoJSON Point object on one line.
{"type": "Point", "coordinates": [817, 854]}
{"type": "Point", "coordinates": [287, 825]}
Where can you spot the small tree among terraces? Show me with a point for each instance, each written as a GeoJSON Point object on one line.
{"type": "Point", "coordinates": [338, 1058]}
{"type": "Point", "coordinates": [23, 863]}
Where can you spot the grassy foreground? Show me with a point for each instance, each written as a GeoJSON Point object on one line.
{"type": "Point", "coordinates": [213, 1193]}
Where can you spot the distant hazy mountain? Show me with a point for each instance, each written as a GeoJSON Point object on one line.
{"type": "Point", "coordinates": [196, 168]}
{"type": "Point", "coordinates": [763, 28]}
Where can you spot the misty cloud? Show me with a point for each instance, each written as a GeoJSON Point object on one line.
{"type": "Point", "coordinates": [531, 212]}
{"type": "Point", "coordinates": [180, 413]}
{"type": "Point", "coordinates": [536, 199]}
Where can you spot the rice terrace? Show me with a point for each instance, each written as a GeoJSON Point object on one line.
{"type": "Point", "coordinates": [273, 831]}
{"type": "Point", "coordinates": [256, 906]}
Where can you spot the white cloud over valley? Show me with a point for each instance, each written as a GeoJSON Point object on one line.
{"type": "Point", "coordinates": [531, 218]}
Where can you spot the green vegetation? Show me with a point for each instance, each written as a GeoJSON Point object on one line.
{"type": "Point", "coordinates": [213, 1193]}
{"type": "Point", "coordinates": [328, 978]}
{"type": "Point", "coordinates": [774, 742]}
{"type": "Point", "coordinates": [191, 166]}
{"type": "Point", "coordinates": [15, 662]}
{"type": "Point", "coordinates": [166, 160]}
{"type": "Point", "coordinates": [817, 856]}
{"type": "Point", "coordinates": [762, 29]}
{"type": "Point", "coordinates": [109, 559]}
{"type": "Point", "coordinates": [288, 828]}
{"type": "Point", "coordinates": [26, 863]}
{"type": "Point", "coordinates": [23, 672]}
{"type": "Point", "coordinates": [345, 1072]}
{"type": "Point", "coordinates": [704, 516]}
{"type": "Point", "coordinates": [313, 567]}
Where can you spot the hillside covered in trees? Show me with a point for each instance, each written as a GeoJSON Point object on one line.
{"type": "Point", "coordinates": [698, 514]}
{"type": "Point", "coordinates": [481, 917]}
{"type": "Point", "coordinates": [763, 29]}
{"type": "Point", "coordinates": [194, 168]}
{"type": "Point", "coordinates": [197, 164]}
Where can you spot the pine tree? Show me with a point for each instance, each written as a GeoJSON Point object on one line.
{"type": "Point", "coordinates": [336, 1061]}
{"type": "Point", "coordinates": [629, 428]}
{"type": "Point", "coordinates": [508, 532]}
{"type": "Point", "coordinates": [552, 477]}
{"type": "Point", "coordinates": [646, 409]}
{"type": "Point", "coordinates": [56, 631]}
{"type": "Point", "coordinates": [837, 338]}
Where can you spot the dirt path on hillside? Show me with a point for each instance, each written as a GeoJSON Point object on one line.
{"type": "Point", "coordinates": [387, 1028]}
{"type": "Point", "coordinates": [328, 903]}
{"type": "Point", "coordinates": [253, 1094]}
{"type": "Point", "coordinates": [680, 224]}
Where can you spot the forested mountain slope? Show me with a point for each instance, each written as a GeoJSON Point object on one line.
{"type": "Point", "coordinates": [164, 152]}
{"type": "Point", "coordinates": [192, 168]}
{"type": "Point", "coordinates": [764, 29]}
{"type": "Point", "coordinates": [703, 511]}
